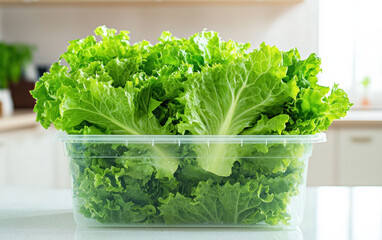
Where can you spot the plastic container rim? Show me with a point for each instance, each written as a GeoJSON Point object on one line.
{"type": "Point", "coordinates": [191, 139]}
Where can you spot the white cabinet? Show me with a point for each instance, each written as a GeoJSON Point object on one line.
{"type": "Point", "coordinates": [360, 158]}
{"type": "Point", "coordinates": [351, 157]}
{"type": "Point", "coordinates": [3, 169]}
{"type": "Point", "coordinates": [32, 157]}
{"type": "Point", "coordinates": [322, 164]}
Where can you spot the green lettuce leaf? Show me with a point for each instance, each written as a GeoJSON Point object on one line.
{"type": "Point", "coordinates": [251, 203]}
{"type": "Point", "coordinates": [225, 99]}
{"type": "Point", "coordinates": [266, 126]}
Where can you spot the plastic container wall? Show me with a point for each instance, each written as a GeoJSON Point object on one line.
{"type": "Point", "coordinates": [189, 181]}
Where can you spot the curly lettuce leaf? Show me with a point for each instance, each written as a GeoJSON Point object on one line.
{"type": "Point", "coordinates": [120, 111]}
{"type": "Point", "coordinates": [214, 204]}
{"type": "Point", "coordinates": [314, 110]}
{"type": "Point", "coordinates": [266, 126]}
{"type": "Point", "coordinates": [249, 203]}
{"type": "Point", "coordinates": [225, 99]}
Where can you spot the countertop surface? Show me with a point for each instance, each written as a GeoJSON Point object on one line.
{"type": "Point", "coordinates": [360, 118]}
{"type": "Point", "coordinates": [20, 119]}
{"type": "Point", "coordinates": [363, 115]}
{"type": "Point", "coordinates": [340, 213]}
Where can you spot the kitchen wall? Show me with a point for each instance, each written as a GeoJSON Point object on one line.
{"type": "Point", "coordinates": [50, 27]}
{"type": "Point", "coordinates": [1, 23]}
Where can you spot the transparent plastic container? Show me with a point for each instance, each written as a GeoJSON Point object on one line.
{"type": "Point", "coordinates": [189, 181]}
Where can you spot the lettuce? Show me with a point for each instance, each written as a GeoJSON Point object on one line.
{"type": "Point", "coordinates": [199, 85]}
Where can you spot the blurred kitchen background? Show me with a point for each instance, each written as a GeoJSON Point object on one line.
{"type": "Point", "coordinates": [346, 34]}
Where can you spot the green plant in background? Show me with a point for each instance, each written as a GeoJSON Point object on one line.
{"type": "Point", "coordinates": [13, 57]}
{"type": "Point", "coordinates": [366, 82]}
{"type": "Point", "coordinates": [365, 102]}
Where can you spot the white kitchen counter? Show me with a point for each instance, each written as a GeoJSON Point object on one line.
{"type": "Point", "coordinates": [363, 115]}
{"type": "Point", "coordinates": [337, 213]}
{"type": "Point", "coordinates": [20, 119]}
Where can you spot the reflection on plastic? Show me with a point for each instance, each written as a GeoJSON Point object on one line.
{"type": "Point", "coordinates": [83, 233]}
